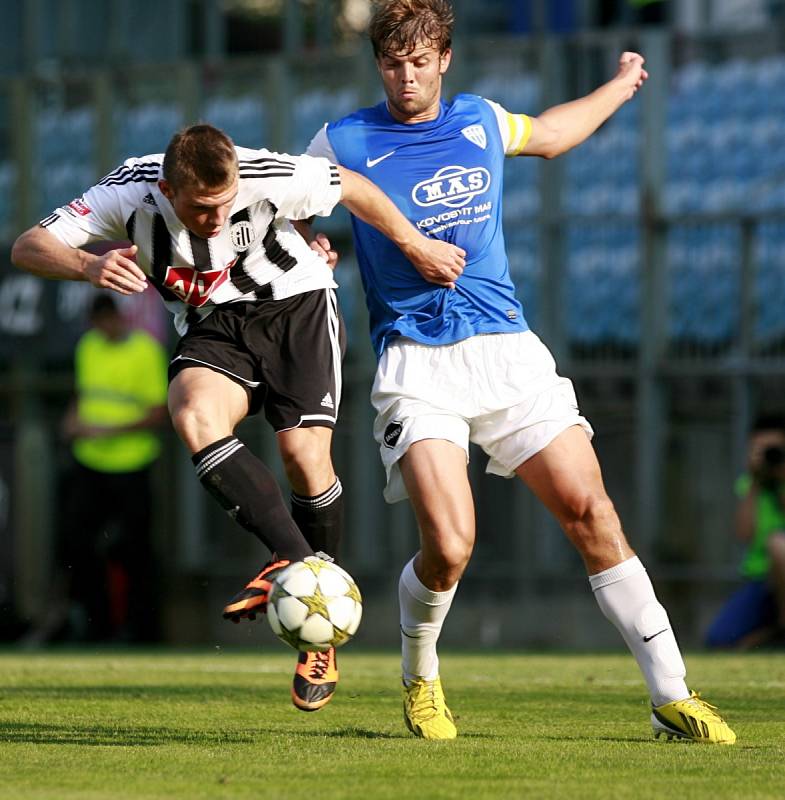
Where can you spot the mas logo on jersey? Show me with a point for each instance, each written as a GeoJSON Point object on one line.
{"type": "Point", "coordinates": [242, 235]}
{"type": "Point", "coordinates": [476, 135]}
{"type": "Point", "coordinates": [452, 186]}
{"type": "Point", "coordinates": [194, 287]}
{"type": "Point", "coordinates": [78, 205]}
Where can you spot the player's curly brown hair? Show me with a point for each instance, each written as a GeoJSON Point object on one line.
{"type": "Point", "coordinates": [200, 157]}
{"type": "Point", "coordinates": [399, 26]}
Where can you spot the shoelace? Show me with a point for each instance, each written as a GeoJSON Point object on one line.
{"type": "Point", "coordinates": [426, 698]}
{"type": "Point", "coordinates": [697, 701]}
{"type": "Point", "coordinates": [319, 665]}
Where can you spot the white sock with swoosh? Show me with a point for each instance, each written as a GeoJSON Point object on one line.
{"type": "Point", "coordinates": [422, 615]}
{"type": "Point", "coordinates": [626, 597]}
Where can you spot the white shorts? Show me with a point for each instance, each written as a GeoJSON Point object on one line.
{"type": "Point", "coordinates": [498, 390]}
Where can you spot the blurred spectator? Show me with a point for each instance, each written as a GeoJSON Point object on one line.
{"type": "Point", "coordinates": [105, 584]}
{"type": "Point", "coordinates": [755, 614]}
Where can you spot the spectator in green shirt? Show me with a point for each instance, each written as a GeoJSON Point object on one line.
{"type": "Point", "coordinates": [755, 614]}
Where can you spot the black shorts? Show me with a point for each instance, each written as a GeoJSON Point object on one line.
{"type": "Point", "coordinates": [285, 353]}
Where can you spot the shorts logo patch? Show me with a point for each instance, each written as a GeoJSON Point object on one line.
{"type": "Point", "coordinates": [392, 433]}
{"type": "Point", "coordinates": [242, 235]}
{"type": "Point", "coordinates": [327, 401]}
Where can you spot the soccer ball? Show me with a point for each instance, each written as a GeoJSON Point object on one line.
{"type": "Point", "coordinates": [314, 605]}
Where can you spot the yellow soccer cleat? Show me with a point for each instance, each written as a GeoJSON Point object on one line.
{"type": "Point", "coordinates": [425, 712]}
{"type": "Point", "coordinates": [693, 719]}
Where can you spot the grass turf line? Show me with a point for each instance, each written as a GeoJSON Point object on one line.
{"type": "Point", "coordinates": [163, 724]}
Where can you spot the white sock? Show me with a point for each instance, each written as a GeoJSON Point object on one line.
{"type": "Point", "coordinates": [626, 597]}
{"type": "Point", "coordinates": [422, 615]}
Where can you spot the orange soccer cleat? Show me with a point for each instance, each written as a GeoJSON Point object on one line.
{"type": "Point", "coordinates": [315, 679]}
{"type": "Point", "coordinates": [253, 599]}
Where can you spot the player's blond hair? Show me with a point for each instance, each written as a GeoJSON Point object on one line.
{"type": "Point", "coordinates": [200, 157]}
{"type": "Point", "coordinates": [399, 26]}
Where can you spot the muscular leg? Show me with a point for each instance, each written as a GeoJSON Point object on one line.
{"type": "Point", "coordinates": [566, 477]}
{"type": "Point", "coordinates": [317, 494]}
{"type": "Point", "coordinates": [205, 407]}
{"type": "Point", "coordinates": [434, 472]}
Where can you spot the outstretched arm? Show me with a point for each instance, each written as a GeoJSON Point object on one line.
{"type": "Point", "coordinates": [43, 254]}
{"type": "Point", "coordinates": [437, 261]}
{"type": "Point", "coordinates": [562, 127]}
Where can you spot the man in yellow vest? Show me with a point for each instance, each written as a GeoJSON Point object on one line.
{"type": "Point", "coordinates": [105, 549]}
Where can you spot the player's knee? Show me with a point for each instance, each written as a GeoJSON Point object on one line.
{"type": "Point", "coordinates": [194, 425]}
{"type": "Point", "coordinates": [308, 469]}
{"type": "Point", "coordinates": [449, 555]}
{"type": "Point", "coordinates": [592, 523]}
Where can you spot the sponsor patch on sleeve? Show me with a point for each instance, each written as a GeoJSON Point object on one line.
{"type": "Point", "coordinates": [78, 207]}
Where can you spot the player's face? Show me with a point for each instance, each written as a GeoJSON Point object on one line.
{"type": "Point", "coordinates": [413, 82]}
{"type": "Point", "coordinates": [202, 211]}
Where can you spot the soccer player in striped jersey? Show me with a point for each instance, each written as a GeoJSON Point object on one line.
{"type": "Point", "coordinates": [458, 363]}
{"type": "Point", "coordinates": [256, 312]}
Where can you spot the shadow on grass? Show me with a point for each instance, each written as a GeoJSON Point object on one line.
{"type": "Point", "coordinates": [147, 736]}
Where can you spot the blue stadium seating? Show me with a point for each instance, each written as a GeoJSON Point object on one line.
{"type": "Point", "coordinates": [243, 118]}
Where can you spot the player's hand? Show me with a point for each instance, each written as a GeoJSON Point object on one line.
{"type": "Point", "coordinates": [321, 245]}
{"type": "Point", "coordinates": [437, 261]}
{"type": "Point", "coordinates": [116, 270]}
{"type": "Point", "coordinates": [631, 73]}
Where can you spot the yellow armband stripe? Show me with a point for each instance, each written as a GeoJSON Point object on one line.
{"type": "Point", "coordinates": [520, 129]}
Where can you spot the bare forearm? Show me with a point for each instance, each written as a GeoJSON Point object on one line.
{"type": "Point", "coordinates": [573, 122]}
{"type": "Point", "coordinates": [40, 253]}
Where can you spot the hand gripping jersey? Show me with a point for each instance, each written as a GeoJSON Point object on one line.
{"type": "Point", "coordinates": [446, 176]}
{"type": "Point", "coordinates": [258, 254]}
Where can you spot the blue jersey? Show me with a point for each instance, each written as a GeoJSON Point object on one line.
{"type": "Point", "coordinates": [445, 175]}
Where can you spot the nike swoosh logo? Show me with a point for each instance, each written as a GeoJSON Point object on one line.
{"type": "Point", "coordinates": [372, 162]}
{"type": "Point", "coordinates": [649, 638]}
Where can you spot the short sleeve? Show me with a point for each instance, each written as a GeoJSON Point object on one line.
{"type": "Point", "coordinates": [514, 129]}
{"type": "Point", "coordinates": [320, 146]}
{"type": "Point", "coordinates": [100, 213]}
{"type": "Point", "coordinates": [314, 189]}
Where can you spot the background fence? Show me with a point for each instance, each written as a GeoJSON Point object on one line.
{"type": "Point", "coordinates": [650, 259]}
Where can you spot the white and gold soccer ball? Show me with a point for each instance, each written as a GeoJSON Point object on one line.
{"type": "Point", "coordinates": [314, 605]}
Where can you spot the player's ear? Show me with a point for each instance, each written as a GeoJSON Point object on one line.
{"type": "Point", "coordinates": [166, 189]}
{"type": "Point", "coordinates": [444, 61]}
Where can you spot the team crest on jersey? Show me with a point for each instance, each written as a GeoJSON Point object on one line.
{"type": "Point", "coordinates": [192, 286]}
{"type": "Point", "coordinates": [242, 235]}
{"type": "Point", "coordinates": [452, 186]}
{"type": "Point", "coordinates": [476, 135]}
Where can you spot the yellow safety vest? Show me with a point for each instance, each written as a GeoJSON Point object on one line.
{"type": "Point", "coordinates": [117, 383]}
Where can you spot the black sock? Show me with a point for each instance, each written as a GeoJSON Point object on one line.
{"type": "Point", "coordinates": [320, 518]}
{"type": "Point", "coordinates": [248, 491]}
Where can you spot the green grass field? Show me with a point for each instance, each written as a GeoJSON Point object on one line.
{"type": "Point", "coordinates": [219, 724]}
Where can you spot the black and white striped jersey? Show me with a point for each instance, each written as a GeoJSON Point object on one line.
{"type": "Point", "coordinates": [258, 254]}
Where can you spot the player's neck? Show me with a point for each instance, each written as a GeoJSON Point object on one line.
{"type": "Point", "coordinates": [428, 115]}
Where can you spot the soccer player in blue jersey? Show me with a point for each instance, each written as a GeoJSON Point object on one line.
{"type": "Point", "coordinates": [458, 363]}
